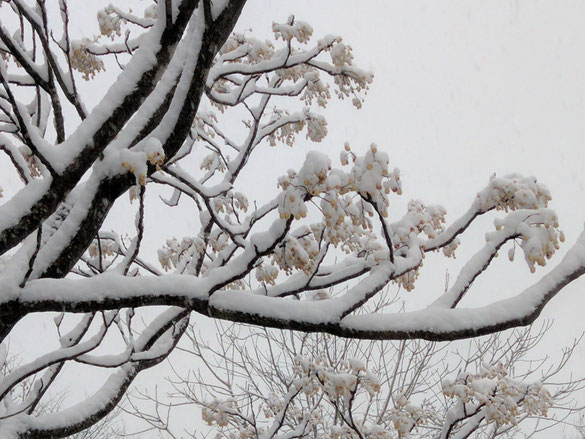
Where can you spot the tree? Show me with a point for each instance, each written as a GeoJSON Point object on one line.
{"type": "Point", "coordinates": [21, 394]}
{"type": "Point", "coordinates": [149, 129]}
{"type": "Point", "coordinates": [264, 383]}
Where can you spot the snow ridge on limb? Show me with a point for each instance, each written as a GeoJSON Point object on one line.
{"type": "Point", "coordinates": [436, 322]}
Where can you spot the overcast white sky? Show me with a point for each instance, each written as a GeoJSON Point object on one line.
{"type": "Point", "coordinates": [462, 89]}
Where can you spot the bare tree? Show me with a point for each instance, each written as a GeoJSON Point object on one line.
{"type": "Point", "coordinates": [265, 383]}
{"type": "Point", "coordinates": [579, 427]}
{"type": "Point", "coordinates": [149, 130]}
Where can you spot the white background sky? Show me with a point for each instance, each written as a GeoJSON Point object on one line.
{"type": "Point", "coordinates": [462, 89]}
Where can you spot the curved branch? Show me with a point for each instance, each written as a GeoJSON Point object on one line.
{"type": "Point", "coordinates": [325, 316]}
{"type": "Point", "coordinates": [85, 414]}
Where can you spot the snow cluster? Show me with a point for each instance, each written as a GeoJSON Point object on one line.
{"type": "Point", "coordinates": [296, 253]}
{"type": "Point", "coordinates": [500, 398]}
{"type": "Point", "coordinates": [317, 376]}
{"type": "Point", "coordinates": [293, 29]}
{"type": "Point", "coordinates": [266, 274]}
{"type": "Point", "coordinates": [111, 19]}
{"type": "Point", "coordinates": [33, 163]}
{"type": "Point", "coordinates": [107, 248]}
{"type": "Point", "coordinates": [316, 127]}
{"type": "Point", "coordinates": [176, 254]}
{"type": "Point", "coordinates": [84, 61]}
{"type": "Point", "coordinates": [230, 203]}
{"type": "Point", "coordinates": [347, 220]}
{"type": "Point", "coordinates": [405, 416]}
{"type": "Point", "coordinates": [419, 219]}
{"type": "Point", "coordinates": [297, 70]}
{"type": "Point", "coordinates": [539, 235]}
{"type": "Point", "coordinates": [513, 192]}
{"type": "Point", "coordinates": [217, 412]}
{"type": "Point", "coordinates": [109, 22]}
{"type": "Point", "coordinates": [251, 49]}
{"type": "Point", "coordinates": [212, 163]}
{"type": "Point", "coordinates": [137, 159]}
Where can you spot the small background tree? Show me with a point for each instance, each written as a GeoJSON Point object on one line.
{"type": "Point", "coordinates": [261, 383]}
